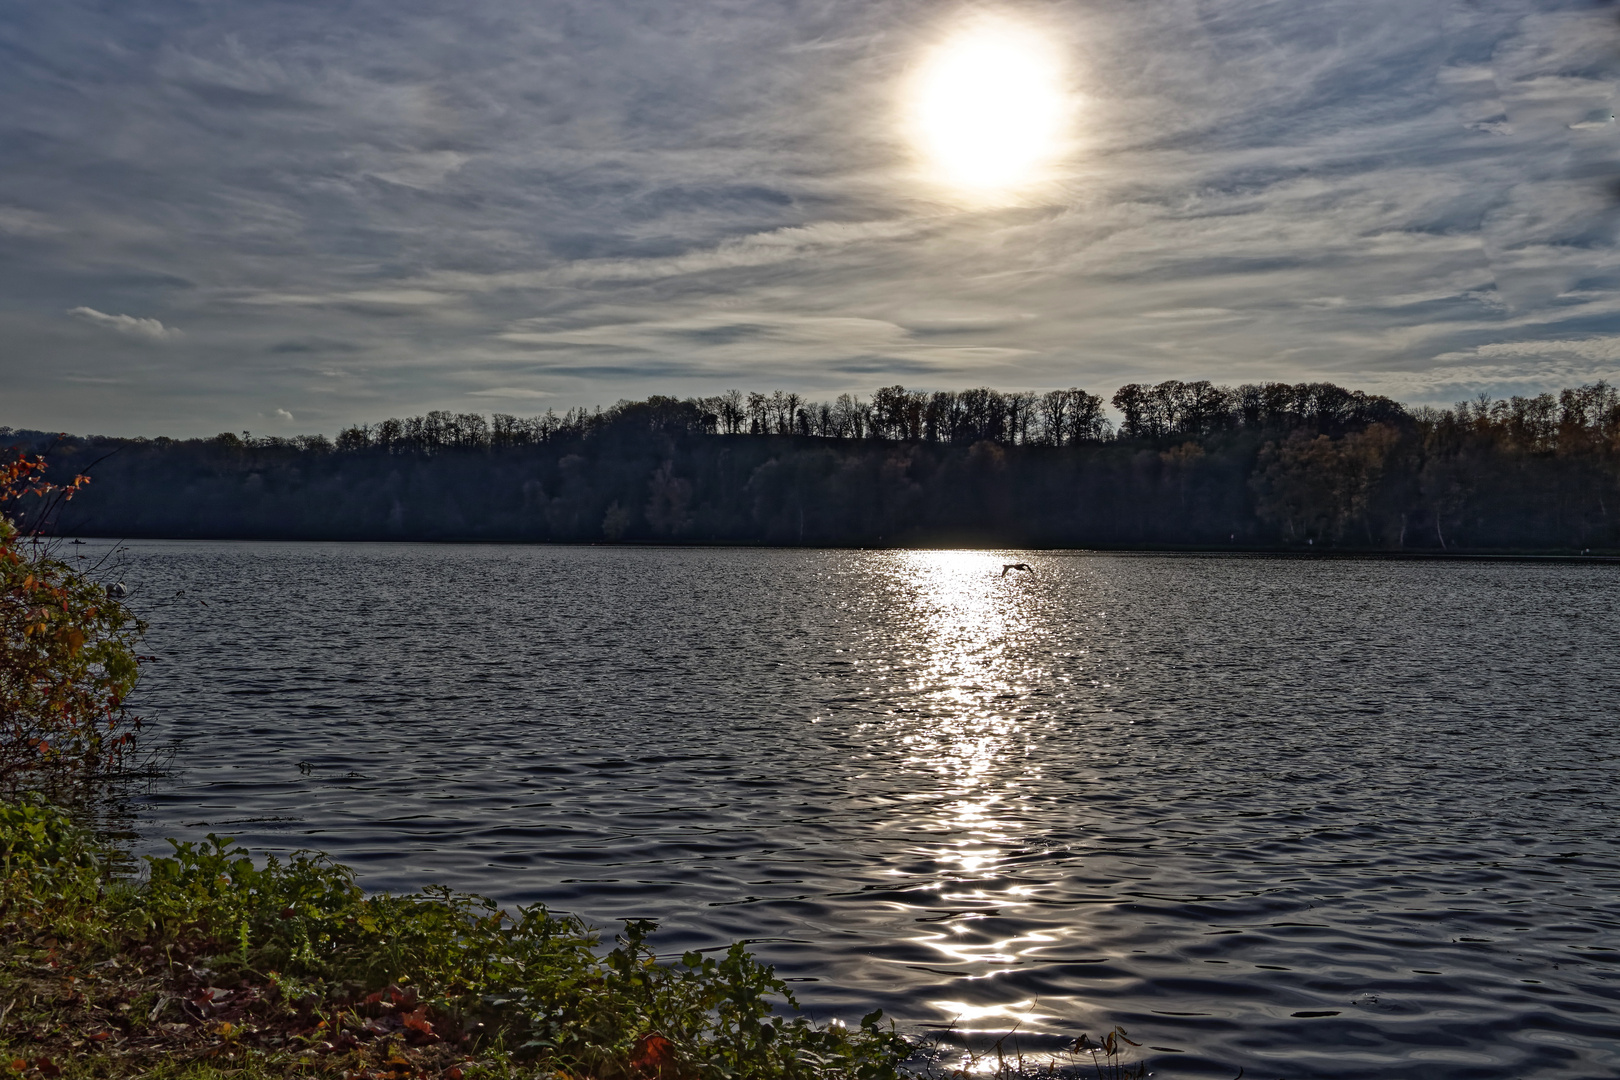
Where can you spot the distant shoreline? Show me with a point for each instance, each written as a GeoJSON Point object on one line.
{"type": "Point", "coordinates": [1273, 469]}
{"type": "Point", "coordinates": [1325, 553]}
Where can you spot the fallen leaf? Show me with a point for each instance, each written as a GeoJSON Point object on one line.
{"type": "Point", "coordinates": [417, 1021]}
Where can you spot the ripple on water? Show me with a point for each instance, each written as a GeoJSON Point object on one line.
{"type": "Point", "coordinates": [1306, 818]}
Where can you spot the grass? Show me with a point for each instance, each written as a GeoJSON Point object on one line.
{"type": "Point", "coordinates": [212, 964]}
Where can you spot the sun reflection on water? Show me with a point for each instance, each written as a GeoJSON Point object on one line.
{"type": "Point", "coordinates": [973, 728]}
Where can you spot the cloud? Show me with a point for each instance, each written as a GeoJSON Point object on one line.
{"type": "Point", "coordinates": [509, 392]}
{"type": "Point", "coordinates": [427, 170]}
{"type": "Point", "coordinates": [387, 297]}
{"type": "Point", "coordinates": [283, 414]}
{"type": "Point", "coordinates": [150, 329]}
{"type": "Point", "coordinates": [593, 201]}
{"type": "Point", "coordinates": [1506, 368]}
{"type": "Point", "coordinates": [753, 251]}
{"type": "Point", "coordinates": [746, 252]}
{"type": "Point", "coordinates": [15, 221]}
{"type": "Point", "coordinates": [312, 345]}
{"type": "Point", "coordinates": [1598, 349]}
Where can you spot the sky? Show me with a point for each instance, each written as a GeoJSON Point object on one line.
{"type": "Point", "coordinates": [285, 216]}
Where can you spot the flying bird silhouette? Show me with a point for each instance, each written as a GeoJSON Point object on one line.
{"type": "Point", "coordinates": [1006, 566]}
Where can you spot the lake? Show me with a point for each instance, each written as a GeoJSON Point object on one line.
{"type": "Point", "coordinates": [1303, 817]}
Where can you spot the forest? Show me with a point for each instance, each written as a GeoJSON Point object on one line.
{"type": "Point", "coordinates": [1309, 466]}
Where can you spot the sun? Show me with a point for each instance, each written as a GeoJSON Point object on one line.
{"type": "Point", "coordinates": [987, 108]}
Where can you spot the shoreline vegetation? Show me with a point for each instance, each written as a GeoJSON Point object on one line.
{"type": "Point", "coordinates": [207, 964]}
{"type": "Point", "coordinates": [1190, 466]}
{"type": "Point", "coordinates": [211, 965]}
{"type": "Point", "coordinates": [214, 964]}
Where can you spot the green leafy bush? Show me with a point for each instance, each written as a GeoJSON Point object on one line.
{"type": "Point", "coordinates": [51, 871]}
{"type": "Point", "coordinates": [38, 837]}
{"type": "Point", "coordinates": [534, 987]}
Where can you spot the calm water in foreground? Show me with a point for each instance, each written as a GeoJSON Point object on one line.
{"type": "Point", "coordinates": [1304, 818]}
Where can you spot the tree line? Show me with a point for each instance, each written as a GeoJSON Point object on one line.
{"type": "Point", "coordinates": [958, 418]}
{"type": "Point", "coordinates": [1312, 465]}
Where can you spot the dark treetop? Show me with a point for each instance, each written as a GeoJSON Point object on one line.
{"type": "Point", "coordinates": [1190, 464]}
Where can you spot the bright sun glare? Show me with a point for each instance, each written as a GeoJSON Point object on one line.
{"type": "Point", "coordinates": [988, 108]}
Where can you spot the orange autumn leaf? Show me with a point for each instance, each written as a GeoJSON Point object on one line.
{"type": "Point", "coordinates": [654, 1056]}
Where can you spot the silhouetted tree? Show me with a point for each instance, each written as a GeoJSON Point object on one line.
{"type": "Point", "coordinates": [1191, 463]}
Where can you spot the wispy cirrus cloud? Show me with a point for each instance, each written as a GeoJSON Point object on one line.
{"type": "Point", "coordinates": [517, 393]}
{"type": "Point", "coordinates": [130, 325]}
{"type": "Point", "coordinates": [16, 221]}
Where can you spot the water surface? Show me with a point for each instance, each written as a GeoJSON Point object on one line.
{"type": "Point", "coordinates": [1307, 818]}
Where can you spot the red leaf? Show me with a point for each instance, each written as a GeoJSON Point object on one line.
{"type": "Point", "coordinates": [654, 1056]}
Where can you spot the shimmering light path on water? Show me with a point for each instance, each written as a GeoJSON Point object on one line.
{"type": "Point", "coordinates": [1309, 818]}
